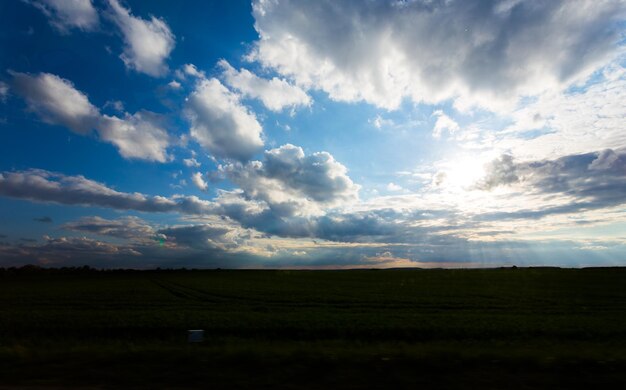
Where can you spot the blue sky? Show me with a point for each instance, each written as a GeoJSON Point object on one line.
{"type": "Point", "coordinates": [312, 134]}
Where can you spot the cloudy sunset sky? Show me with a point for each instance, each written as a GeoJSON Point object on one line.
{"type": "Point", "coordinates": [312, 134]}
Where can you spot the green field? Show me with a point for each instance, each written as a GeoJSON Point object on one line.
{"type": "Point", "coordinates": [512, 328]}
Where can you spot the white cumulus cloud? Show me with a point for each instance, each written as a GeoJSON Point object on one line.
{"type": "Point", "coordinates": [220, 123]}
{"type": "Point", "coordinates": [393, 187]}
{"type": "Point", "coordinates": [192, 70]}
{"type": "Point", "coordinates": [276, 94]}
{"type": "Point", "coordinates": [136, 136]}
{"type": "Point", "coordinates": [444, 123]}
{"type": "Point", "coordinates": [174, 84]}
{"type": "Point", "coordinates": [578, 122]}
{"type": "Point", "coordinates": [147, 43]}
{"type": "Point", "coordinates": [57, 101]}
{"type": "Point", "coordinates": [485, 53]}
{"type": "Point", "coordinates": [64, 15]}
{"type": "Point", "coordinates": [191, 162]}
{"type": "Point", "coordinates": [293, 183]}
{"type": "Point", "coordinates": [199, 181]}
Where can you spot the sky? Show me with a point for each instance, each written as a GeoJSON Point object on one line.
{"type": "Point", "coordinates": [313, 134]}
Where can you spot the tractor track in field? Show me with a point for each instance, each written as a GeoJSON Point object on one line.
{"type": "Point", "coordinates": [182, 292]}
{"type": "Point", "coordinates": [199, 295]}
{"type": "Point", "coordinates": [202, 296]}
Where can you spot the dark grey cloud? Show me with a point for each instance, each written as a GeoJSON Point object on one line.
{"type": "Point", "coordinates": [380, 225]}
{"type": "Point", "coordinates": [123, 227]}
{"type": "Point", "coordinates": [592, 180]}
{"type": "Point", "coordinates": [206, 236]}
{"type": "Point", "coordinates": [386, 226]}
{"type": "Point", "coordinates": [378, 238]}
{"type": "Point", "coordinates": [44, 219]}
{"type": "Point", "coordinates": [261, 216]}
{"type": "Point", "coordinates": [538, 213]}
{"type": "Point", "coordinates": [143, 245]}
{"type": "Point", "coordinates": [45, 186]}
{"type": "Point", "coordinates": [72, 245]}
{"type": "Point", "coordinates": [203, 238]}
{"type": "Point", "coordinates": [500, 171]}
{"type": "Point", "coordinates": [382, 51]}
{"type": "Point", "coordinates": [24, 239]}
{"type": "Point", "coordinates": [67, 251]}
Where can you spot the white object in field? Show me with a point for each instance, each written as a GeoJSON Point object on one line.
{"type": "Point", "coordinates": [195, 336]}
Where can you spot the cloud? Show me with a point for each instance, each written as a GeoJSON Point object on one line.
{"type": "Point", "coordinates": [501, 171]}
{"type": "Point", "coordinates": [428, 235]}
{"type": "Point", "coordinates": [282, 220]}
{"type": "Point", "coordinates": [191, 162]}
{"type": "Point", "coordinates": [123, 227]}
{"type": "Point", "coordinates": [56, 101]}
{"type": "Point", "coordinates": [382, 123]}
{"type": "Point", "coordinates": [240, 222]}
{"type": "Point", "coordinates": [205, 236]}
{"type": "Point", "coordinates": [584, 119]}
{"type": "Point", "coordinates": [607, 160]}
{"type": "Point", "coordinates": [199, 182]}
{"type": "Point", "coordinates": [116, 105]}
{"type": "Point", "coordinates": [220, 123]}
{"type": "Point", "coordinates": [477, 52]}
{"type": "Point", "coordinates": [4, 91]}
{"type": "Point", "coordinates": [65, 15]}
{"type": "Point", "coordinates": [43, 219]}
{"type": "Point", "coordinates": [394, 187]}
{"type": "Point", "coordinates": [137, 136]}
{"type": "Point", "coordinates": [192, 70]}
{"type": "Point", "coordinates": [584, 182]}
{"type": "Point", "coordinates": [444, 123]}
{"type": "Point", "coordinates": [82, 244]}
{"type": "Point", "coordinates": [45, 186]}
{"type": "Point", "coordinates": [577, 184]}
{"type": "Point", "coordinates": [65, 251]}
{"type": "Point", "coordinates": [145, 244]}
{"type": "Point", "coordinates": [290, 181]}
{"type": "Point", "coordinates": [276, 94]}
{"type": "Point", "coordinates": [288, 194]}
{"type": "Point", "coordinates": [147, 43]}
{"type": "Point", "coordinates": [174, 84]}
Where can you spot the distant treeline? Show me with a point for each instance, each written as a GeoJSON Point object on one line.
{"type": "Point", "coordinates": [85, 269]}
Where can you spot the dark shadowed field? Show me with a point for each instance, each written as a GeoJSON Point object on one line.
{"type": "Point", "coordinates": [498, 328]}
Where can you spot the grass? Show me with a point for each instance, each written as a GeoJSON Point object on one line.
{"type": "Point", "coordinates": [515, 328]}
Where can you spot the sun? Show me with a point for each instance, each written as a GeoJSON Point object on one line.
{"type": "Point", "coordinates": [463, 173]}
